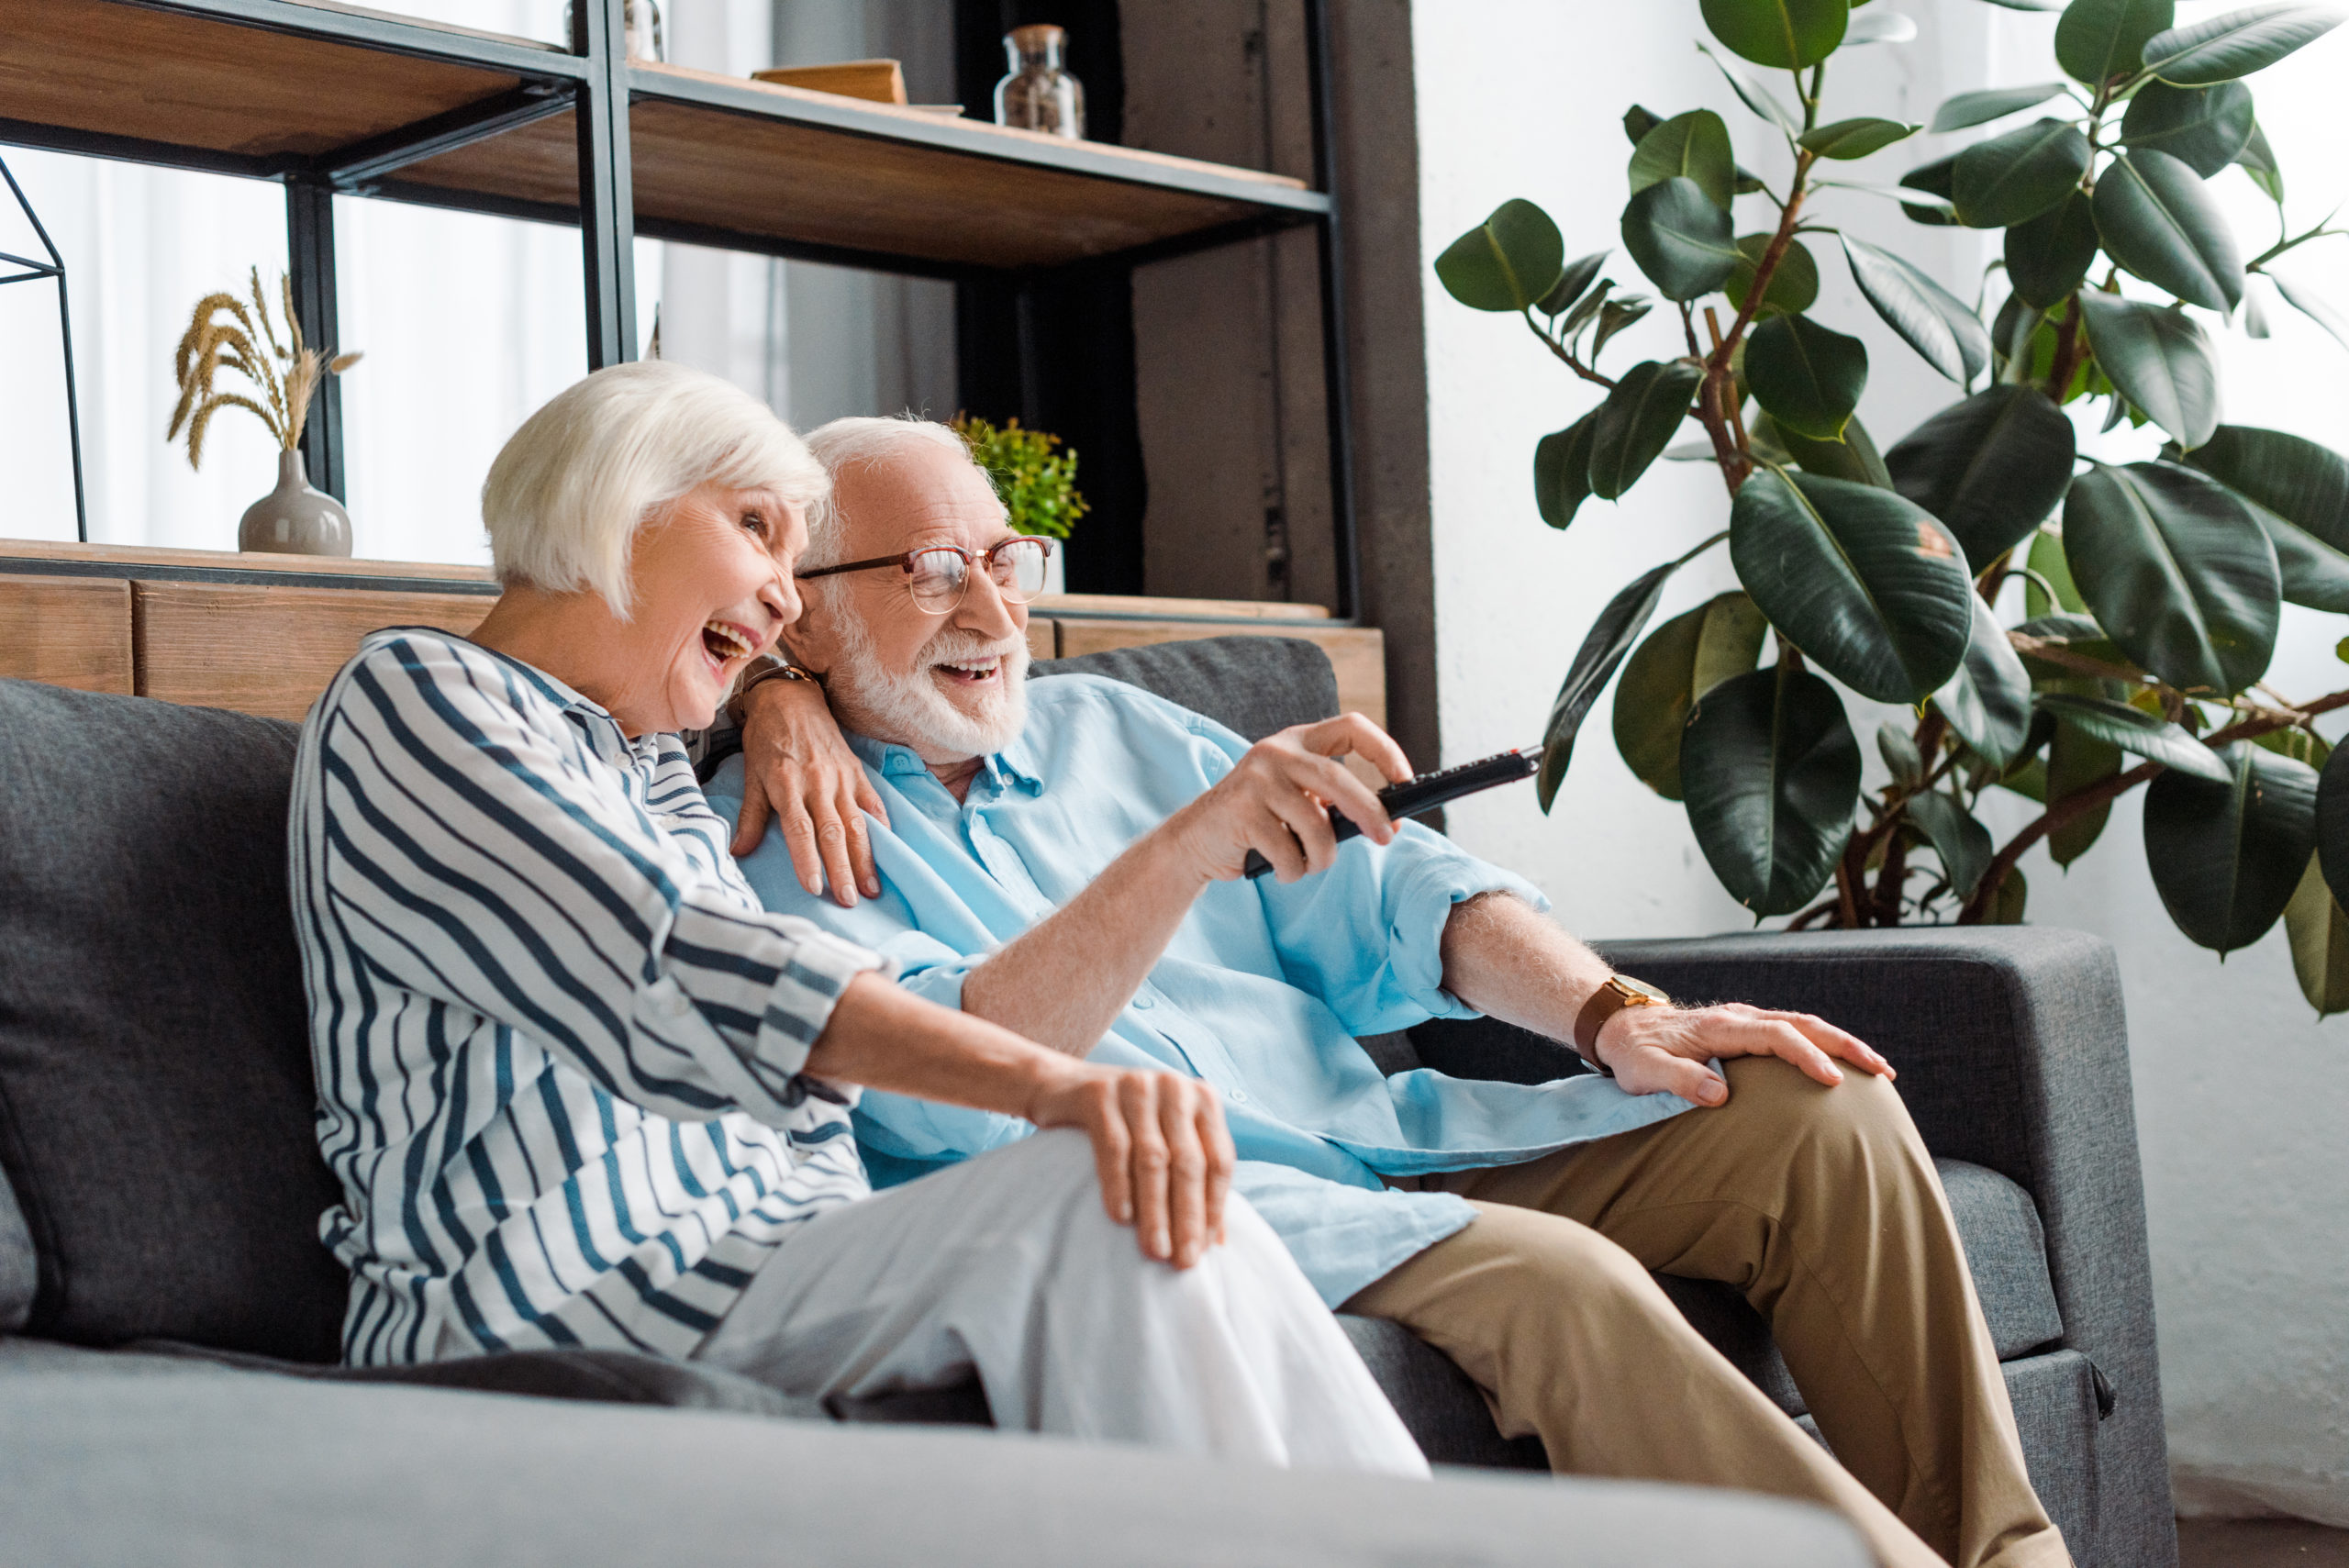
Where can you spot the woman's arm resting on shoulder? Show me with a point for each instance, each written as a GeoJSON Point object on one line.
{"type": "Point", "coordinates": [799, 771]}
{"type": "Point", "coordinates": [1159, 1141]}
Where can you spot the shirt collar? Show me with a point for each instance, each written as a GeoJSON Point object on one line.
{"type": "Point", "coordinates": [1015, 764]}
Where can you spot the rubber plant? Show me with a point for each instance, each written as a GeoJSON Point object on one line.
{"type": "Point", "coordinates": [2152, 590]}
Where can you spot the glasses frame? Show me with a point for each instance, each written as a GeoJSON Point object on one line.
{"type": "Point", "coordinates": [905, 564]}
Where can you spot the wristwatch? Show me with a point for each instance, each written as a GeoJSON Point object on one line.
{"type": "Point", "coordinates": [1615, 993]}
{"type": "Point", "coordinates": [765, 667]}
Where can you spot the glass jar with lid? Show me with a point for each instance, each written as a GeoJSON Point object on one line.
{"type": "Point", "coordinates": [1039, 93]}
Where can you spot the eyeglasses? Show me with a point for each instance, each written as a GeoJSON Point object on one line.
{"type": "Point", "coordinates": [937, 575]}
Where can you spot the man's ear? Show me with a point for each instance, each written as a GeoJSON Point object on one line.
{"type": "Point", "coordinates": [807, 641]}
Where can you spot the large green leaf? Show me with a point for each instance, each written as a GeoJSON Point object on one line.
{"type": "Point", "coordinates": [2076, 759]}
{"type": "Point", "coordinates": [1991, 103]}
{"type": "Point", "coordinates": [2160, 361]}
{"type": "Point", "coordinates": [1987, 702]}
{"type": "Point", "coordinates": [1562, 471]}
{"type": "Point", "coordinates": [2226, 858]}
{"type": "Point", "coordinates": [1935, 322]}
{"type": "Point", "coordinates": [1683, 242]}
{"type": "Point", "coordinates": [2203, 127]}
{"type": "Point", "coordinates": [1857, 137]}
{"type": "Point", "coordinates": [2050, 256]}
{"type": "Point", "coordinates": [2159, 222]}
{"type": "Point", "coordinates": [1963, 843]}
{"type": "Point", "coordinates": [1695, 146]}
{"type": "Point", "coordinates": [2013, 178]}
{"type": "Point", "coordinates": [1686, 657]}
{"type": "Point", "coordinates": [1609, 638]}
{"type": "Point", "coordinates": [1871, 587]}
{"type": "Point", "coordinates": [1636, 423]}
{"type": "Point", "coordinates": [2299, 493]}
{"type": "Point", "coordinates": [2237, 43]}
{"type": "Point", "coordinates": [2099, 39]}
{"type": "Point", "coordinates": [1771, 775]}
{"type": "Point", "coordinates": [1794, 282]}
{"type": "Point", "coordinates": [2177, 572]}
{"type": "Point", "coordinates": [2318, 929]}
{"type": "Point", "coordinates": [1991, 468]}
{"type": "Point", "coordinates": [2302, 482]}
{"type": "Point", "coordinates": [1792, 35]}
{"type": "Point", "coordinates": [1808, 376]}
{"type": "Point", "coordinates": [1854, 457]}
{"type": "Point", "coordinates": [2137, 732]}
{"type": "Point", "coordinates": [2332, 821]}
{"type": "Point", "coordinates": [1506, 262]}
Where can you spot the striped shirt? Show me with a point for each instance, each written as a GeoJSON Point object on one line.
{"type": "Point", "coordinates": [558, 1042]}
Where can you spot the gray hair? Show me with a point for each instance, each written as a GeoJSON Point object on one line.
{"type": "Point", "coordinates": [567, 494]}
{"type": "Point", "coordinates": [863, 438]}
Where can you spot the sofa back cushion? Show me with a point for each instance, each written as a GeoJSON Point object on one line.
{"type": "Point", "coordinates": [1251, 684]}
{"type": "Point", "coordinates": [156, 1100]}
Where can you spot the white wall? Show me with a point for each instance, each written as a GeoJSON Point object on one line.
{"type": "Point", "coordinates": [2242, 1096]}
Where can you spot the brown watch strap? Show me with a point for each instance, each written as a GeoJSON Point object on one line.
{"type": "Point", "coordinates": [1604, 1003]}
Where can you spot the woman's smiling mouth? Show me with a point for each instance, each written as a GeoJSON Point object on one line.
{"type": "Point", "coordinates": [723, 642]}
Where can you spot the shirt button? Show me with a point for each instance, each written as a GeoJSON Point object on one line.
{"type": "Point", "coordinates": [1143, 1003]}
{"type": "Point", "coordinates": [1241, 1095]}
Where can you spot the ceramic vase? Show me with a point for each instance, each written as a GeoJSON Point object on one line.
{"type": "Point", "coordinates": [294, 519]}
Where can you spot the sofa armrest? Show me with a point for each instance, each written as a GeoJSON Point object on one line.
{"type": "Point", "coordinates": [2014, 1052]}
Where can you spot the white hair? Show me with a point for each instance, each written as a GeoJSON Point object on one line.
{"type": "Point", "coordinates": [866, 440]}
{"type": "Point", "coordinates": [567, 494]}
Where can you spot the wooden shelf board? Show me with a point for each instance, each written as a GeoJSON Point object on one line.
{"type": "Point", "coordinates": [201, 83]}
{"type": "Point", "coordinates": [786, 165]}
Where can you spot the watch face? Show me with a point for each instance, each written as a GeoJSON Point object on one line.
{"type": "Point", "coordinates": [1639, 993]}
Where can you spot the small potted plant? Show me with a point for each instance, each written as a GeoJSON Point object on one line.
{"type": "Point", "coordinates": [285, 374]}
{"type": "Point", "coordinates": [1036, 481]}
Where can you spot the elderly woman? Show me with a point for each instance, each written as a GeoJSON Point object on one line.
{"type": "Point", "coordinates": [581, 1090]}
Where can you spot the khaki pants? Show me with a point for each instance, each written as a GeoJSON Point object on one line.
{"type": "Point", "coordinates": [1821, 1204]}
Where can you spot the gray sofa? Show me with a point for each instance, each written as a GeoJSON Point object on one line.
{"type": "Point", "coordinates": [168, 1322]}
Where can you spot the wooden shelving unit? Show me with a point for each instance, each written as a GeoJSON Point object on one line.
{"type": "Point", "coordinates": [333, 99]}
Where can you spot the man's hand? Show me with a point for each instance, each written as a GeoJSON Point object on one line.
{"type": "Point", "coordinates": [1275, 800]}
{"type": "Point", "coordinates": [798, 771]}
{"type": "Point", "coordinates": [1665, 1049]}
{"type": "Point", "coordinates": [1160, 1144]}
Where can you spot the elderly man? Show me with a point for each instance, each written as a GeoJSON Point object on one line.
{"type": "Point", "coordinates": [1065, 861]}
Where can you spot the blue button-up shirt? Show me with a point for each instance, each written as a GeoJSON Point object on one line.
{"type": "Point", "coordinates": [1260, 993]}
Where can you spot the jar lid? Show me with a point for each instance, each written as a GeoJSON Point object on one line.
{"type": "Point", "coordinates": [1035, 36]}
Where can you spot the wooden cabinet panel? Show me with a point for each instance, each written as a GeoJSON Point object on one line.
{"type": "Point", "coordinates": [68, 632]}
{"type": "Point", "coordinates": [265, 650]}
{"type": "Point", "coordinates": [1358, 654]}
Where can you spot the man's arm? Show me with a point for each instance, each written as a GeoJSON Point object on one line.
{"type": "Point", "coordinates": [1065, 980]}
{"type": "Point", "coordinates": [1504, 959]}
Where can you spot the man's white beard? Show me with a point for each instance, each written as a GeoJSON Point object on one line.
{"type": "Point", "coordinates": [907, 707]}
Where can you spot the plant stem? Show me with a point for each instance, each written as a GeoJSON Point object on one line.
{"type": "Point", "coordinates": [2067, 354]}
{"type": "Point", "coordinates": [1716, 398]}
{"type": "Point", "coordinates": [1565, 356]}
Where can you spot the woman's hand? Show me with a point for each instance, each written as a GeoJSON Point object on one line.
{"type": "Point", "coordinates": [1160, 1147]}
{"type": "Point", "coordinates": [1276, 800]}
{"type": "Point", "coordinates": [797, 771]}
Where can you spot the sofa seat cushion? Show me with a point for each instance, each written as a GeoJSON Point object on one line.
{"type": "Point", "coordinates": [156, 1101]}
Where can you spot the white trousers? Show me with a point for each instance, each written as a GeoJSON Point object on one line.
{"type": "Point", "coordinates": [1008, 1266]}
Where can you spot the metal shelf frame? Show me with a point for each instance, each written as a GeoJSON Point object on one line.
{"type": "Point", "coordinates": [593, 77]}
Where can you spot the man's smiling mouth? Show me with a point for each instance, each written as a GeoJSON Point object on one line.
{"type": "Point", "coordinates": [970, 672]}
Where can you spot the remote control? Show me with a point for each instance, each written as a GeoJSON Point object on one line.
{"type": "Point", "coordinates": [1426, 793]}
